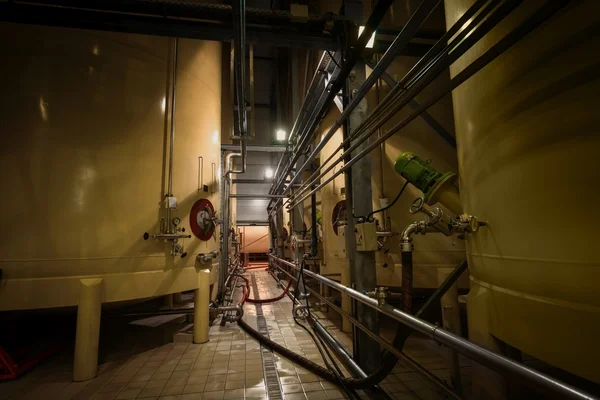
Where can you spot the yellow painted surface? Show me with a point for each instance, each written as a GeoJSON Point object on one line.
{"type": "Point", "coordinates": [85, 153]}
{"type": "Point", "coordinates": [528, 136]}
{"type": "Point", "coordinates": [201, 312]}
{"type": "Point", "coordinates": [85, 364]}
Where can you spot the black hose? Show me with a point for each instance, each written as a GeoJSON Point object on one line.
{"type": "Point", "coordinates": [390, 205]}
{"type": "Point", "coordinates": [407, 280]}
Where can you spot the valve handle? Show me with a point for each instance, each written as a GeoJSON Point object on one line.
{"type": "Point", "coordinates": [417, 205]}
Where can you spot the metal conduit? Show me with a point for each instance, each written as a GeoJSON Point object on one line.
{"type": "Point", "coordinates": [395, 100]}
{"type": "Point", "coordinates": [477, 353]}
{"type": "Point", "coordinates": [384, 111]}
{"type": "Point", "coordinates": [304, 129]}
{"type": "Point", "coordinates": [239, 24]}
{"type": "Point", "coordinates": [545, 12]}
{"type": "Point", "coordinates": [374, 20]}
{"type": "Point", "coordinates": [403, 38]}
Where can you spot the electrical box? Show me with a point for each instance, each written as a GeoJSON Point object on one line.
{"type": "Point", "coordinates": [342, 239]}
{"type": "Point", "coordinates": [366, 236]}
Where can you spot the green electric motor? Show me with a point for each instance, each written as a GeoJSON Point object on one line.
{"type": "Point", "coordinates": [420, 173]}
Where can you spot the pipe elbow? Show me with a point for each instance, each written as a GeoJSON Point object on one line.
{"type": "Point", "coordinates": [410, 230]}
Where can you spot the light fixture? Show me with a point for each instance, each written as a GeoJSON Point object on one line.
{"type": "Point", "coordinates": [268, 173]}
{"type": "Point", "coordinates": [371, 41]}
{"type": "Point", "coordinates": [215, 137]}
{"type": "Point", "coordinates": [280, 135]}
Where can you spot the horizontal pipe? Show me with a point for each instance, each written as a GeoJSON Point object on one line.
{"type": "Point", "coordinates": [253, 181]}
{"type": "Point", "coordinates": [254, 149]}
{"type": "Point", "coordinates": [477, 353]}
{"type": "Point", "coordinates": [256, 196]}
{"type": "Point", "coordinates": [251, 222]}
{"type": "Point", "coordinates": [387, 345]}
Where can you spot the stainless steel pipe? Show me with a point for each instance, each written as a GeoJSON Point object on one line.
{"type": "Point", "coordinates": [477, 353]}
{"type": "Point", "coordinates": [399, 43]}
{"type": "Point", "coordinates": [256, 196]}
{"type": "Point", "coordinates": [387, 345]}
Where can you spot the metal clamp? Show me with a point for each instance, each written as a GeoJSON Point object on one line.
{"type": "Point", "coordinates": [381, 294]}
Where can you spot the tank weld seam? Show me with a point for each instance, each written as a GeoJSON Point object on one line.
{"type": "Point", "coordinates": [533, 297]}
{"type": "Point", "coordinates": [532, 259]}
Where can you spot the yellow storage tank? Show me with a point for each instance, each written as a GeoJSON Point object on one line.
{"type": "Point", "coordinates": [84, 122]}
{"type": "Point", "coordinates": [528, 139]}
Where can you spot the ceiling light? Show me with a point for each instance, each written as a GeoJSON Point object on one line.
{"type": "Point", "coordinates": [371, 41]}
{"type": "Point", "coordinates": [280, 135]}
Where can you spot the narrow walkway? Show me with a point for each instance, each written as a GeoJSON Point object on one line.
{"type": "Point", "coordinates": [230, 366]}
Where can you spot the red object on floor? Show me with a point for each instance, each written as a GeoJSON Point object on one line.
{"type": "Point", "coordinates": [11, 368]}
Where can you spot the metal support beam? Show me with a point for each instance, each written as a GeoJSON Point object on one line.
{"type": "Point", "coordinates": [154, 18]}
{"type": "Point", "coordinates": [359, 202]}
{"type": "Point", "coordinates": [425, 116]}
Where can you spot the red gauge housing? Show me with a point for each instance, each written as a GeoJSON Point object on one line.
{"type": "Point", "coordinates": [201, 219]}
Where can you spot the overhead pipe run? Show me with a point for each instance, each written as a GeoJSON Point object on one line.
{"type": "Point", "coordinates": [401, 86]}
{"type": "Point", "coordinates": [500, 47]}
{"type": "Point", "coordinates": [373, 22]}
{"type": "Point", "coordinates": [399, 43]}
{"type": "Point", "coordinates": [421, 74]}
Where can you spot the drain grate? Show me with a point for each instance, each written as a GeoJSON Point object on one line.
{"type": "Point", "coordinates": [272, 383]}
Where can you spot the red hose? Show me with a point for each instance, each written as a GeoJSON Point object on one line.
{"type": "Point", "coordinates": [258, 267]}
{"type": "Point", "coordinates": [263, 301]}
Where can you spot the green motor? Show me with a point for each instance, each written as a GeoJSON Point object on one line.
{"type": "Point", "coordinates": [435, 185]}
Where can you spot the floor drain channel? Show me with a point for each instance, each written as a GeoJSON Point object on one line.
{"type": "Point", "coordinates": [268, 360]}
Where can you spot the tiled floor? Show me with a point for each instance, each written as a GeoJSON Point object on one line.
{"type": "Point", "coordinates": [229, 366]}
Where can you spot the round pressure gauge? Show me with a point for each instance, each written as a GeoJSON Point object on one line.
{"type": "Point", "coordinates": [176, 221]}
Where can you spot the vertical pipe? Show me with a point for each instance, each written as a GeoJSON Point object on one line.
{"type": "Point", "coordinates": [224, 261]}
{"type": "Point", "coordinates": [85, 364]}
{"type": "Point", "coordinates": [407, 280]}
{"type": "Point", "coordinates": [201, 300]}
{"type": "Point", "coordinates": [172, 133]}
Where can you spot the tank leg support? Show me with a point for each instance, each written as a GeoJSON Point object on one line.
{"type": "Point", "coordinates": [346, 303]}
{"type": "Point", "coordinates": [85, 365]}
{"type": "Point", "coordinates": [487, 384]}
{"type": "Point", "coordinates": [169, 301]}
{"type": "Point", "coordinates": [201, 300]}
{"type": "Point", "coordinates": [451, 321]}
